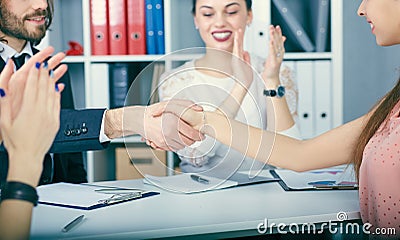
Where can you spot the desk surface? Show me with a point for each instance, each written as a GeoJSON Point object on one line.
{"type": "Point", "coordinates": [170, 215]}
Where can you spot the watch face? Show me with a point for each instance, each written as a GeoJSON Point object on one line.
{"type": "Point", "coordinates": [281, 91]}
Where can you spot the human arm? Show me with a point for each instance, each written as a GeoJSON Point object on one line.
{"type": "Point", "coordinates": [279, 117]}
{"type": "Point", "coordinates": [164, 131]}
{"type": "Point", "coordinates": [22, 119]}
{"type": "Point", "coordinates": [335, 147]}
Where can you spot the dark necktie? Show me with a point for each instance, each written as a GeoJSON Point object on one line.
{"type": "Point", "coordinates": [19, 61]}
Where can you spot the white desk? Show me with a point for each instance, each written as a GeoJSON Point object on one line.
{"type": "Point", "coordinates": [230, 211]}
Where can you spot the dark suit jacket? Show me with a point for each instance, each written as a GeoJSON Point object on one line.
{"type": "Point", "coordinates": [79, 131]}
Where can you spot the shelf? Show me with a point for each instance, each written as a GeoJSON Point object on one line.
{"type": "Point", "coordinates": [308, 56]}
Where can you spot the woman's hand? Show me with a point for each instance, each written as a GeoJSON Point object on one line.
{"type": "Point", "coordinates": [14, 83]}
{"type": "Point", "coordinates": [275, 57]}
{"type": "Point", "coordinates": [29, 129]}
{"type": "Point", "coordinates": [241, 65]}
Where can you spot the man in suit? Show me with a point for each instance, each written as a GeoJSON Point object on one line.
{"type": "Point", "coordinates": [22, 26]}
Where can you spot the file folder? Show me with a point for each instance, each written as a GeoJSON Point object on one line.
{"type": "Point", "coordinates": [117, 27]}
{"type": "Point", "coordinates": [158, 17]}
{"type": "Point", "coordinates": [291, 27]}
{"type": "Point", "coordinates": [323, 179]}
{"type": "Point", "coordinates": [119, 84]}
{"type": "Point", "coordinates": [321, 19]}
{"type": "Point", "coordinates": [136, 27]}
{"type": "Point", "coordinates": [99, 29]}
{"type": "Point", "coordinates": [87, 197]}
{"type": "Point", "coordinates": [150, 28]}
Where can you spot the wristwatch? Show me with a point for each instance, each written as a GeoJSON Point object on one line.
{"type": "Point", "coordinates": [278, 92]}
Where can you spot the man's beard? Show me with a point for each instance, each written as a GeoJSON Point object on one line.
{"type": "Point", "coordinates": [13, 26]}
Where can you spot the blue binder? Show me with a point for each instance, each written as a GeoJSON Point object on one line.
{"type": "Point", "coordinates": [158, 16]}
{"type": "Point", "coordinates": [150, 28]}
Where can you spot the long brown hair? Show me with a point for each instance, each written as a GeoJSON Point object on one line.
{"type": "Point", "coordinates": [380, 115]}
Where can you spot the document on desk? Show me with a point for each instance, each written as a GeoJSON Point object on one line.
{"type": "Point", "coordinates": [323, 179]}
{"type": "Point", "coordinates": [194, 182]}
{"type": "Point", "coordinates": [87, 197]}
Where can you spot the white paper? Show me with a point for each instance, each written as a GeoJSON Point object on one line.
{"type": "Point", "coordinates": [183, 183]}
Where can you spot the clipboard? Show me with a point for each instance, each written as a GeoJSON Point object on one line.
{"type": "Point", "coordinates": [87, 197]}
{"type": "Point", "coordinates": [317, 180]}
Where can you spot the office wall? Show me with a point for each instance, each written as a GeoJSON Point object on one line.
{"type": "Point", "coordinates": [369, 70]}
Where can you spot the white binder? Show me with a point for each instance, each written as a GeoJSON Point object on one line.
{"type": "Point", "coordinates": [323, 92]}
{"type": "Point", "coordinates": [98, 86]}
{"type": "Point", "coordinates": [305, 81]}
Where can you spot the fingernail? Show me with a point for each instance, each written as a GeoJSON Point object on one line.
{"type": "Point", "coordinates": [2, 93]}
{"type": "Point", "coordinates": [51, 73]}
{"type": "Point", "coordinates": [46, 65]}
{"type": "Point", "coordinates": [37, 65]}
{"type": "Point", "coordinates": [8, 58]}
{"type": "Point", "coordinates": [57, 89]}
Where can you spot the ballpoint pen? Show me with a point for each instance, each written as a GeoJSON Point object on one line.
{"type": "Point", "coordinates": [73, 223]}
{"type": "Point", "coordinates": [199, 179]}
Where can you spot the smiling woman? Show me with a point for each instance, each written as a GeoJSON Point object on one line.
{"type": "Point", "coordinates": [232, 80]}
{"type": "Point", "coordinates": [19, 21]}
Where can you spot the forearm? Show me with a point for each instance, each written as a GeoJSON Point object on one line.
{"type": "Point", "coordinates": [278, 112]}
{"type": "Point", "coordinates": [15, 219]}
{"type": "Point", "coordinates": [232, 103]}
{"type": "Point", "coordinates": [124, 122]}
{"type": "Point", "coordinates": [283, 151]}
{"type": "Point", "coordinates": [279, 117]}
{"type": "Point", "coordinates": [14, 211]}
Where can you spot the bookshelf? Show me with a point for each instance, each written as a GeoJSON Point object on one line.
{"type": "Point", "coordinates": [72, 23]}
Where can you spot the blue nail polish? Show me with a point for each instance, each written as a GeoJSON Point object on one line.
{"type": "Point", "coordinates": [46, 65]}
{"type": "Point", "coordinates": [51, 73]}
{"type": "Point", "coordinates": [2, 93]}
{"type": "Point", "coordinates": [57, 89]}
{"type": "Point", "coordinates": [37, 65]}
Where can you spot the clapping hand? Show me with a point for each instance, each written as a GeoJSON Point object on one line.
{"type": "Point", "coordinates": [241, 65]}
{"type": "Point", "coordinates": [275, 57]}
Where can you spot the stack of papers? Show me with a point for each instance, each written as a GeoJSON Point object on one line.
{"type": "Point", "coordinates": [193, 183]}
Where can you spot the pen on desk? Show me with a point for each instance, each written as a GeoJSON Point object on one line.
{"type": "Point", "coordinates": [73, 223]}
{"type": "Point", "coordinates": [199, 179]}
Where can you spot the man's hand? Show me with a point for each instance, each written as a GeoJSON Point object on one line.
{"type": "Point", "coordinates": [161, 130]}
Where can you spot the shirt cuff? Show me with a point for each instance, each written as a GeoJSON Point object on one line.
{"type": "Point", "coordinates": [102, 136]}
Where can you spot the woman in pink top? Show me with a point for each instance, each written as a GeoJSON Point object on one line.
{"type": "Point", "coordinates": [371, 143]}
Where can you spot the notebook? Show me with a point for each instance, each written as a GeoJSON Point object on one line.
{"type": "Point", "coordinates": [87, 197]}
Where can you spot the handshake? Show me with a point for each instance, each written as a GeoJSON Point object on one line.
{"type": "Point", "coordinates": [168, 125]}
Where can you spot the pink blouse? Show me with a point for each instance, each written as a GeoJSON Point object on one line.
{"type": "Point", "coordinates": [380, 176]}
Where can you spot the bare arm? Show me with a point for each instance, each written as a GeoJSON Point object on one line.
{"type": "Point", "coordinates": [333, 148]}
{"type": "Point", "coordinates": [28, 105]}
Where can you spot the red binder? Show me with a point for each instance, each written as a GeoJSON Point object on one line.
{"type": "Point", "coordinates": [117, 27]}
{"type": "Point", "coordinates": [136, 26]}
{"type": "Point", "coordinates": [99, 28]}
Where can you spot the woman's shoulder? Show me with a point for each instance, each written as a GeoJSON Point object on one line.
{"type": "Point", "coordinates": [181, 71]}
